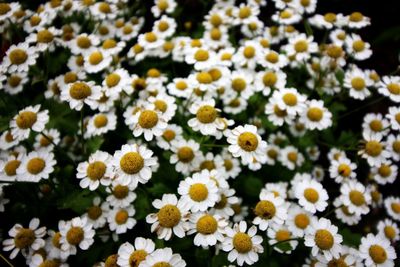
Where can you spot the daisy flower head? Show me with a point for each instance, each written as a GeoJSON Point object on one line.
{"type": "Point", "coordinates": [163, 6]}
{"type": "Point", "coordinates": [164, 104]}
{"type": "Point", "coordinates": [244, 13]}
{"type": "Point", "coordinates": [25, 239]}
{"type": "Point", "coordinates": [96, 61]}
{"type": "Point", "coordinates": [224, 207]}
{"type": "Point", "coordinates": [375, 124]}
{"type": "Point", "coordinates": [390, 86]}
{"type": "Point", "coordinates": [115, 82]}
{"type": "Point", "coordinates": [268, 80]}
{"type": "Point", "coordinates": [393, 142]}
{"type": "Point", "coordinates": [36, 165]}
{"type": "Point", "coordinates": [8, 9]}
{"type": "Point", "coordinates": [206, 117]}
{"type": "Point", "coordinates": [344, 215]}
{"type": "Point", "coordinates": [97, 213]}
{"type": "Point", "coordinates": [14, 83]}
{"type": "Point", "coordinates": [100, 124]}
{"type": "Point", "coordinates": [357, 20]}
{"type": "Point", "coordinates": [209, 229]}
{"type": "Point", "coordinates": [355, 197]}
{"type": "Point", "coordinates": [276, 115]}
{"type": "Point", "coordinates": [83, 44]}
{"type": "Point", "coordinates": [198, 192]}
{"type": "Point", "coordinates": [357, 82]}
{"type": "Point", "coordinates": [27, 119]}
{"type": "Point", "coordinates": [19, 58]}
{"type": "Point", "coordinates": [393, 116]}
{"type": "Point", "coordinates": [246, 143]}
{"type": "Point", "coordinates": [186, 157]}
{"type": "Point", "coordinates": [273, 60]}
{"type": "Point", "coordinates": [80, 93]}
{"type": "Point", "coordinates": [377, 251]}
{"type": "Point", "coordinates": [163, 257]}
{"type": "Point", "coordinates": [133, 164]}
{"type": "Point", "coordinates": [202, 58]}
{"type": "Point", "coordinates": [287, 16]}
{"type": "Point", "coordinates": [392, 205]}
{"type": "Point", "coordinates": [290, 100]}
{"type": "Point", "coordinates": [298, 220]}
{"type": "Point", "coordinates": [301, 47]}
{"type": "Point", "coordinates": [290, 157]}
{"type": "Point", "coordinates": [150, 40]}
{"type": "Point", "coordinates": [316, 116]}
{"type": "Point", "coordinates": [270, 210]}
{"type": "Point", "coordinates": [133, 255]}
{"type": "Point", "coordinates": [322, 236]}
{"type": "Point", "coordinates": [374, 150]}
{"type": "Point", "coordinates": [171, 217]}
{"type": "Point", "coordinates": [311, 195]}
{"type": "Point", "coordinates": [121, 195]}
{"type": "Point", "coordinates": [47, 139]}
{"type": "Point", "coordinates": [121, 219]}
{"type": "Point", "coordinates": [97, 170]}
{"type": "Point", "coordinates": [242, 243]}
{"type": "Point", "coordinates": [77, 232]}
{"type": "Point", "coordinates": [385, 173]}
{"type": "Point", "coordinates": [7, 140]}
{"type": "Point", "coordinates": [247, 55]}
{"type": "Point", "coordinates": [389, 230]}
{"type": "Point", "coordinates": [342, 169]}
{"type": "Point", "coordinates": [357, 48]}
{"type": "Point", "coordinates": [281, 233]}
{"type": "Point", "coordinates": [9, 166]}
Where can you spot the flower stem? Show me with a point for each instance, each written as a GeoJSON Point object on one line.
{"type": "Point", "coordinates": [82, 133]}
{"type": "Point", "coordinates": [5, 259]}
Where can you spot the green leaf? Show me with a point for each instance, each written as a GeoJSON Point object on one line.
{"type": "Point", "coordinates": [78, 201]}
{"type": "Point", "coordinates": [350, 238]}
{"type": "Point", "coordinates": [142, 205]}
{"type": "Point", "coordinates": [94, 144]}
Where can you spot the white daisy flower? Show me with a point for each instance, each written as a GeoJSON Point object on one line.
{"type": "Point", "coordinates": [7, 140]}
{"type": "Point", "coordinates": [322, 236]}
{"type": "Point", "coordinates": [356, 20]}
{"type": "Point", "coordinates": [97, 213]}
{"type": "Point", "coordinates": [342, 169]}
{"type": "Point", "coordinates": [224, 206]}
{"type": "Point", "coordinates": [133, 255]}
{"type": "Point", "coordinates": [270, 210]}
{"type": "Point", "coordinates": [268, 80]}
{"type": "Point", "coordinates": [36, 165]}
{"type": "Point", "coordinates": [25, 239]}
{"type": "Point", "coordinates": [244, 13]}
{"type": "Point", "coordinates": [393, 143]}
{"type": "Point", "coordinates": [390, 86]}
{"type": "Point", "coordinates": [358, 82]}
{"type": "Point", "coordinates": [80, 93]}
{"type": "Point", "coordinates": [19, 58]}
{"type": "Point", "coordinates": [83, 44]}
{"type": "Point", "coordinates": [47, 142]}
{"type": "Point", "coordinates": [290, 157]}
{"type": "Point", "coordinates": [375, 124]}
{"type": "Point", "coordinates": [163, 257]}
{"type": "Point", "coordinates": [112, 47]}
{"type": "Point", "coordinates": [96, 61]}
{"type": "Point", "coordinates": [206, 117]}
{"type": "Point", "coordinates": [392, 205]}
{"type": "Point", "coordinates": [355, 197]}
{"type": "Point", "coordinates": [290, 100]}
{"type": "Point", "coordinates": [278, 234]}
{"type": "Point", "coordinates": [201, 58]}
{"type": "Point", "coordinates": [386, 173]}
{"type": "Point", "coordinates": [273, 60]}
{"type": "Point", "coordinates": [198, 192]}
{"type": "Point", "coordinates": [74, 233]}
{"type": "Point", "coordinates": [15, 82]}
{"type": "Point", "coordinates": [288, 16]}
{"type": "Point", "coordinates": [242, 244]}
{"type": "Point", "coordinates": [227, 165]}
{"type": "Point", "coordinates": [301, 47]}
{"type": "Point", "coordinates": [27, 119]}
{"type": "Point", "coordinates": [133, 164]}
{"type": "Point", "coordinates": [115, 82]}
{"type": "Point", "coordinates": [120, 219]}
{"type": "Point", "coordinates": [357, 48]}
{"type": "Point", "coordinates": [311, 195]}
{"type": "Point", "coordinates": [150, 40]}
{"type": "Point", "coordinates": [348, 257]}
{"type": "Point", "coordinates": [164, 104]}
{"type": "Point", "coordinates": [316, 116]}
{"type": "Point", "coordinates": [187, 155]}
{"type": "Point", "coordinates": [121, 195]}
{"type": "Point", "coordinates": [393, 116]}
{"type": "Point", "coordinates": [7, 10]}
{"type": "Point", "coordinates": [209, 229]}
{"type": "Point", "coordinates": [377, 251]}
{"type": "Point", "coordinates": [246, 143]}
{"type": "Point", "coordinates": [171, 217]}
{"type": "Point", "coordinates": [374, 150]}
{"type": "Point", "coordinates": [163, 6]}
{"type": "Point", "coordinates": [100, 124]}
{"type": "Point", "coordinates": [103, 11]}
{"type": "Point", "coordinates": [179, 87]}
{"type": "Point", "coordinates": [298, 220]}
{"type": "Point", "coordinates": [389, 230]}
{"type": "Point", "coordinates": [97, 170]}
{"type": "Point", "coordinates": [344, 215]}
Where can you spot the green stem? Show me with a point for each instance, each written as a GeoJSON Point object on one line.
{"type": "Point", "coordinates": [82, 133]}
{"type": "Point", "coordinates": [331, 211]}
{"type": "Point", "coordinates": [362, 107]}
{"type": "Point", "coordinates": [213, 145]}
{"type": "Point", "coordinates": [287, 240]}
{"type": "Point", "coordinates": [5, 260]}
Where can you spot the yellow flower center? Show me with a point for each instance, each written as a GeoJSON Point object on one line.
{"type": "Point", "coordinates": [376, 125]}
{"type": "Point", "coordinates": [395, 207]}
{"type": "Point", "coordinates": [109, 43]}
{"type": "Point", "coordinates": [315, 114]}
{"type": "Point", "coordinates": [137, 257]}
{"type": "Point", "coordinates": [169, 135]}
{"type": "Point", "coordinates": [4, 8]}
{"type": "Point", "coordinates": [35, 20]}
{"type": "Point", "coordinates": [151, 37]}
{"type": "Point", "coordinates": [324, 239]}
{"type": "Point", "coordinates": [80, 90]}
{"type": "Point", "coordinates": [221, 203]}
{"type": "Point", "coordinates": [208, 165]}
{"type": "Point", "coordinates": [104, 8]}
{"type": "Point", "coordinates": [56, 240]}
{"type": "Point", "coordinates": [83, 42]}
{"type": "Point", "coordinates": [120, 191]}
{"type": "Point", "coordinates": [311, 195]}
{"type": "Point", "coordinates": [272, 153]}
{"type": "Point", "coordinates": [79, 60]}
{"type": "Point", "coordinates": [121, 217]}
{"type": "Point", "coordinates": [100, 121]}
{"type": "Point", "coordinates": [290, 99]}
{"type": "Point", "coordinates": [131, 162]}
{"type": "Point", "coordinates": [75, 235]}
{"type": "Point", "coordinates": [373, 148]}
{"type": "Point", "coordinates": [111, 261]}
{"type": "Point", "coordinates": [162, 5]}
{"type": "Point", "coordinates": [113, 79]}
{"type": "Point", "coordinates": [215, 20]}
{"type": "Point", "coordinates": [70, 77]}
{"type": "Point", "coordinates": [356, 17]}
{"type": "Point", "coordinates": [26, 119]}
{"type": "Point", "coordinates": [358, 45]}
{"type": "Point", "coordinates": [50, 263]}
{"type": "Point", "coordinates": [242, 242]}
{"type": "Point", "coordinates": [330, 17]}
{"type": "Point", "coordinates": [390, 232]}
{"type": "Point", "coordinates": [204, 77]}
{"type": "Point", "coordinates": [244, 12]}
{"type": "Point", "coordinates": [282, 235]}
{"type": "Point", "coordinates": [264, 42]}
{"type": "Point", "coordinates": [185, 154]}
{"type": "Point", "coordinates": [169, 216]}
{"type": "Point", "coordinates": [95, 58]}
{"type": "Point", "coordinates": [385, 170]}
{"type": "Point", "coordinates": [162, 264]}
{"type": "Point", "coordinates": [139, 84]}
{"type": "Point", "coordinates": [337, 263]}
{"type": "Point", "coordinates": [249, 52]}
{"type": "Point", "coordinates": [163, 26]}
{"type": "Point", "coordinates": [238, 84]}
{"type": "Point", "coordinates": [168, 46]}
{"type": "Point", "coordinates": [285, 14]}
{"type": "Point", "coordinates": [248, 141]}
{"type": "Point", "coordinates": [378, 254]}
{"type": "Point", "coordinates": [206, 114]}
{"type": "Point", "coordinates": [334, 51]}
{"type": "Point", "coordinates": [358, 83]}
{"type": "Point", "coordinates": [215, 34]}
{"type": "Point", "coordinates": [103, 30]}
{"type": "Point", "coordinates": [94, 212]}
{"type": "Point", "coordinates": [270, 79]}
{"type": "Point", "coordinates": [24, 238]}
{"type": "Point", "coordinates": [11, 167]}
{"type": "Point", "coordinates": [228, 164]}
{"type": "Point", "coordinates": [301, 46]}
{"type": "Point", "coordinates": [206, 225]}
{"type": "Point", "coordinates": [279, 112]}
{"type": "Point", "coordinates": [305, 3]}
{"type": "Point", "coordinates": [376, 196]}
{"type": "Point", "coordinates": [226, 56]}
{"type": "Point", "coordinates": [96, 170]}
{"type": "Point", "coordinates": [344, 170]}
{"type": "Point", "coordinates": [292, 156]}
{"type": "Point", "coordinates": [357, 198]}
{"type": "Point", "coordinates": [394, 88]}
{"type": "Point", "coordinates": [215, 74]}
{"type": "Point", "coordinates": [301, 220]}
{"type": "Point", "coordinates": [201, 55]}
{"type": "Point", "coordinates": [44, 36]}
{"type": "Point", "coordinates": [148, 119]}
{"type": "Point", "coordinates": [198, 192]}
{"type": "Point", "coordinates": [272, 57]}
{"type": "Point", "coordinates": [18, 56]}
{"type": "Point", "coordinates": [35, 165]}
{"type": "Point", "coordinates": [14, 80]}
{"type": "Point", "coordinates": [265, 209]}
{"type": "Point", "coordinates": [181, 85]}
{"type": "Point", "coordinates": [396, 146]}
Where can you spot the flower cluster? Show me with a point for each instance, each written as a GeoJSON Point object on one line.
{"type": "Point", "coordinates": [140, 133]}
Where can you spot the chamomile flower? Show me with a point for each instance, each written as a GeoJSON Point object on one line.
{"type": "Point", "coordinates": [47, 139]}
{"type": "Point", "coordinates": [15, 82]}
{"type": "Point", "coordinates": [201, 58]}
{"type": "Point", "coordinates": [311, 195]}
{"type": "Point", "coordinates": [298, 220]}
{"type": "Point", "coordinates": [83, 44]}
{"type": "Point", "coordinates": [148, 122]}
{"type": "Point", "coordinates": [388, 229]}
{"type": "Point", "coordinates": [393, 143]}
{"type": "Point", "coordinates": [206, 117]}
{"type": "Point", "coordinates": [115, 82]}
{"type": "Point", "coordinates": [268, 80]}
{"type": "Point", "coordinates": [344, 215]}
{"type": "Point", "coordinates": [242, 244]}
{"type": "Point", "coordinates": [186, 155]}
{"type": "Point", "coordinates": [375, 124]}
{"type": "Point", "coordinates": [9, 166]}
{"type": "Point", "coordinates": [357, 82]}
{"type": "Point", "coordinates": [171, 217]}
{"type": "Point", "coordinates": [36, 165]}
{"type": "Point", "coordinates": [77, 232]}
{"type": "Point", "coordinates": [287, 16]}
{"type": "Point", "coordinates": [392, 205]}
{"type": "Point", "coordinates": [163, 6]}
{"type": "Point", "coordinates": [377, 251]}
{"type": "Point", "coordinates": [97, 213]}
{"type": "Point", "coordinates": [27, 119]}
{"type": "Point", "coordinates": [273, 60]}
{"type": "Point", "coordinates": [322, 236]}
{"type": "Point", "coordinates": [96, 61]}
{"type": "Point", "coordinates": [374, 150]}
{"type": "Point", "coordinates": [290, 157]}
{"type": "Point", "coordinates": [103, 11]}
{"type": "Point", "coordinates": [7, 140]}
{"type": "Point", "coordinates": [198, 192]}
{"type": "Point", "coordinates": [357, 48]}
{"type": "Point", "coordinates": [100, 124]}
{"type": "Point", "coordinates": [121, 195]}
{"type": "Point", "coordinates": [355, 197]}
{"type": "Point", "coordinates": [244, 13]}
{"type": "Point", "coordinates": [356, 20]}
{"type": "Point", "coordinates": [97, 170]}
{"type": "Point", "coordinates": [385, 173]}
{"type": "Point", "coordinates": [342, 169]}
{"type": "Point", "coordinates": [8, 9]}
{"type": "Point", "coordinates": [301, 47]}
{"type": "Point", "coordinates": [133, 255]}
{"type": "Point", "coordinates": [224, 206]}
{"type": "Point", "coordinates": [163, 257]}
{"type": "Point", "coordinates": [390, 86]}
{"type": "Point", "coordinates": [80, 93]}
{"type": "Point", "coordinates": [209, 229]}
{"type": "Point", "coordinates": [290, 100]}
{"type": "Point", "coordinates": [280, 233]}
{"type": "Point", "coordinates": [316, 116]}
{"type": "Point", "coordinates": [19, 58]}
{"type": "Point", "coordinates": [164, 104]}
{"type": "Point", "coordinates": [133, 164]}
{"type": "Point", "coordinates": [269, 210]}
{"type": "Point", "coordinates": [121, 219]}
{"type": "Point", "coordinates": [179, 87]}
